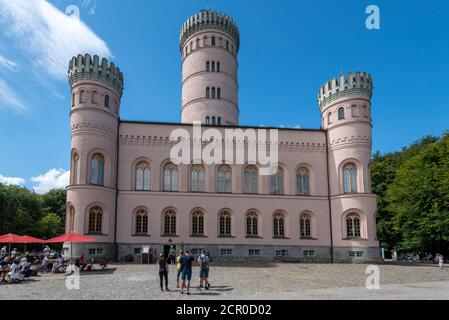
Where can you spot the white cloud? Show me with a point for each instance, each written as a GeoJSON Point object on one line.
{"type": "Point", "coordinates": [8, 64]}
{"type": "Point", "coordinates": [53, 179]}
{"type": "Point", "coordinates": [47, 36]}
{"type": "Point", "coordinates": [9, 98]}
{"type": "Point", "coordinates": [12, 181]}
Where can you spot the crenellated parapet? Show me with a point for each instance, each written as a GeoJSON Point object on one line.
{"type": "Point", "coordinates": [351, 85]}
{"type": "Point", "coordinates": [208, 19]}
{"type": "Point", "coordinates": [86, 68]}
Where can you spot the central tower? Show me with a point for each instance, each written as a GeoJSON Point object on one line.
{"type": "Point", "coordinates": [209, 44]}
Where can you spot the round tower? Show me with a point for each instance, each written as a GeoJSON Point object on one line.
{"type": "Point", "coordinates": [209, 44]}
{"type": "Point", "coordinates": [345, 104]}
{"type": "Point", "coordinates": [96, 90]}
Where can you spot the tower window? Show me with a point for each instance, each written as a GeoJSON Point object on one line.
{"type": "Point", "coordinates": [219, 121]}
{"type": "Point", "coordinates": [207, 120]}
{"type": "Point", "coordinates": [207, 93]}
{"type": "Point", "coordinates": [207, 66]}
{"type": "Point", "coordinates": [218, 93]}
{"type": "Point", "coordinates": [341, 113]}
{"type": "Point", "coordinates": [218, 66]}
{"type": "Point", "coordinates": [329, 118]}
{"type": "Point", "coordinates": [350, 178]}
{"type": "Point", "coordinates": [354, 111]}
{"type": "Point", "coordinates": [106, 101]}
{"type": "Point", "coordinates": [213, 41]}
{"type": "Point", "coordinates": [82, 96]}
{"type": "Point", "coordinates": [197, 43]}
{"type": "Point", "coordinates": [227, 44]}
{"type": "Point", "coordinates": [213, 93]}
{"type": "Point", "coordinates": [213, 120]}
{"type": "Point", "coordinates": [213, 66]}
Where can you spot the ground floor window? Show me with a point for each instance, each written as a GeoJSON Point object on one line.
{"type": "Point", "coordinates": [254, 252]}
{"type": "Point", "coordinates": [356, 254]}
{"type": "Point", "coordinates": [309, 253]}
{"type": "Point", "coordinates": [226, 252]}
{"type": "Point", "coordinates": [281, 253]}
{"type": "Point", "coordinates": [95, 252]}
{"type": "Point", "coordinates": [195, 251]}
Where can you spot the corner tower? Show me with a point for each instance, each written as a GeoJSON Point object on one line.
{"type": "Point", "coordinates": [209, 44]}
{"type": "Point", "coordinates": [345, 104]}
{"type": "Point", "coordinates": [96, 89]}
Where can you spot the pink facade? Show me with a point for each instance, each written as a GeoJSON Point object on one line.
{"type": "Point", "coordinates": [125, 191]}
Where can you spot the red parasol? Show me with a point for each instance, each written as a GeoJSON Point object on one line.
{"type": "Point", "coordinates": [11, 238]}
{"type": "Point", "coordinates": [71, 237]}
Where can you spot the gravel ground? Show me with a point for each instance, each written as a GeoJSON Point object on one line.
{"type": "Point", "coordinates": [259, 281]}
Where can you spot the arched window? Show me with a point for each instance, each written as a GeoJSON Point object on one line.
{"type": "Point", "coordinates": [143, 176]}
{"type": "Point", "coordinates": [218, 66]}
{"type": "Point", "coordinates": [278, 225]}
{"type": "Point", "coordinates": [207, 93]}
{"type": "Point", "coordinates": [341, 113]}
{"type": "Point", "coordinates": [170, 222]}
{"type": "Point", "coordinates": [170, 177]}
{"type": "Point", "coordinates": [197, 179]}
{"type": "Point", "coordinates": [213, 40]}
{"type": "Point", "coordinates": [227, 44]}
{"type": "Point", "coordinates": [75, 169]}
{"type": "Point", "coordinates": [71, 225]}
{"type": "Point", "coordinates": [218, 93]}
{"type": "Point", "coordinates": [197, 43]}
{"type": "Point", "coordinates": [225, 223]}
{"type": "Point", "coordinates": [106, 101]}
{"type": "Point", "coordinates": [305, 224]}
{"type": "Point", "coordinates": [250, 179]}
{"type": "Point", "coordinates": [213, 93]}
{"type": "Point", "coordinates": [82, 96]}
{"type": "Point", "coordinates": [219, 121]}
{"type": "Point", "coordinates": [207, 66]}
{"type": "Point", "coordinates": [350, 178]}
{"type": "Point", "coordinates": [213, 66]}
{"type": "Point", "coordinates": [213, 121]}
{"type": "Point", "coordinates": [205, 41]}
{"type": "Point", "coordinates": [251, 224]}
{"type": "Point", "coordinates": [224, 179]}
{"type": "Point", "coordinates": [207, 120]}
{"type": "Point", "coordinates": [197, 223]}
{"type": "Point", "coordinates": [73, 99]}
{"type": "Point", "coordinates": [354, 111]}
{"type": "Point", "coordinates": [329, 118]}
{"type": "Point", "coordinates": [94, 99]}
{"type": "Point", "coordinates": [353, 225]}
{"type": "Point", "coordinates": [302, 181]}
{"type": "Point", "coordinates": [277, 182]}
{"type": "Point", "coordinates": [97, 170]}
{"type": "Point", "coordinates": [95, 219]}
{"type": "Point", "coordinates": [142, 221]}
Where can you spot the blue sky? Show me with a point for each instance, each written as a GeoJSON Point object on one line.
{"type": "Point", "coordinates": [288, 50]}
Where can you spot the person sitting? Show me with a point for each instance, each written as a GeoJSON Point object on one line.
{"type": "Point", "coordinates": [3, 252]}
{"type": "Point", "coordinates": [80, 263]}
{"type": "Point", "coordinates": [24, 267]}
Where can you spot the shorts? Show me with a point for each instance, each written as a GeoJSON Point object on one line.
{"type": "Point", "coordinates": [204, 272]}
{"type": "Point", "coordinates": [186, 275]}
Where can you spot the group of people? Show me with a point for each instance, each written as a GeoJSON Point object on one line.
{"type": "Point", "coordinates": [184, 264]}
{"type": "Point", "coordinates": [413, 257]}
{"type": "Point", "coordinates": [15, 266]}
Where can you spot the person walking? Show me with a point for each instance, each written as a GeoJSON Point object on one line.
{"type": "Point", "coordinates": [163, 271]}
{"type": "Point", "coordinates": [186, 271]}
{"type": "Point", "coordinates": [441, 261]}
{"type": "Point", "coordinates": [203, 261]}
{"type": "Point", "coordinates": [178, 267]}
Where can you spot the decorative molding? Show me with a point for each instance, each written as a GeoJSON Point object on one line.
{"type": "Point", "coordinates": [81, 126]}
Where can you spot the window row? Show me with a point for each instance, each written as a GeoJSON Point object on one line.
{"type": "Point", "coordinates": [212, 66]}
{"type": "Point", "coordinates": [355, 113]}
{"type": "Point", "coordinates": [209, 41]}
{"type": "Point", "coordinates": [252, 223]}
{"type": "Point", "coordinates": [213, 93]}
{"type": "Point", "coordinates": [213, 120]}
{"type": "Point", "coordinates": [94, 98]}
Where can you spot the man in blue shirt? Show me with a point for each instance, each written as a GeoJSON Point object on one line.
{"type": "Point", "coordinates": [186, 271]}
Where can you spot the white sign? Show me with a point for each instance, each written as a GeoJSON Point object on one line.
{"type": "Point", "coordinates": [146, 249]}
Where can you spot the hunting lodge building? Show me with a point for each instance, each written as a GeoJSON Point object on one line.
{"type": "Point", "coordinates": [125, 191]}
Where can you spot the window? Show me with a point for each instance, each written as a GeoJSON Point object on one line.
{"type": "Point", "coordinates": [302, 181]}
{"type": "Point", "coordinates": [227, 44]}
{"type": "Point", "coordinates": [213, 93]}
{"type": "Point", "coordinates": [218, 93]}
{"type": "Point", "coordinates": [213, 40]}
{"type": "Point", "coordinates": [207, 93]}
{"type": "Point", "coordinates": [207, 120]}
{"type": "Point", "coordinates": [225, 224]}
{"type": "Point", "coordinates": [82, 96]}
{"type": "Point", "coordinates": [224, 179]}
{"type": "Point", "coordinates": [95, 252]}
{"type": "Point", "coordinates": [218, 66]}
{"type": "Point", "coordinates": [213, 120]}
{"type": "Point", "coordinates": [94, 99]}
{"type": "Point", "coordinates": [353, 225]}
{"type": "Point", "coordinates": [219, 118]}
{"type": "Point", "coordinates": [75, 168]}
{"type": "Point", "coordinates": [350, 178]}
{"type": "Point", "coordinates": [226, 252]}
{"type": "Point", "coordinates": [341, 113]}
{"type": "Point", "coordinates": [356, 254]}
{"type": "Point", "coordinates": [97, 170]}
{"type": "Point", "coordinates": [305, 223]}
{"type": "Point", "coordinates": [95, 219]}
{"type": "Point", "coordinates": [309, 253]}
{"type": "Point", "coordinates": [143, 176]}
{"type": "Point", "coordinates": [73, 99]}
{"type": "Point", "coordinates": [205, 41]}
{"type": "Point", "coordinates": [277, 182]}
{"type": "Point", "coordinates": [196, 251]}
{"type": "Point", "coordinates": [213, 66]}
{"type": "Point", "coordinates": [71, 226]}
{"type": "Point", "coordinates": [137, 250]}
{"type": "Point", "coordinates": [106, 101]}
{"type": "Point", "coordinates": [354, 111]}
{"type": "Point", "coordinates": [250, 179]}
{"type": "Point", "coordinates": [329, 118]}
{"type": "Point", "coordinates": [251, 224]}
{"type": "Point", "coordinates": [197, 223]}
{"type": "Point", "coordinates": [197, 179]}
{"type": "Point", "coordinates": [170, 222]}
{"type": "Point", "coordinates": [207, 66]}
{"type": "Point", "coordinates": [278, 225]}
{"type": "Point", "coordinates": [142, 221]}
{"type": "Point", "coordinates": [254, 252]}
{"type": "Point", "coordinates": [170, 177]}
{"type": "Point", "coordinates": [197, 43]}
{"type": "Point", "coordinates": [281, 253]}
